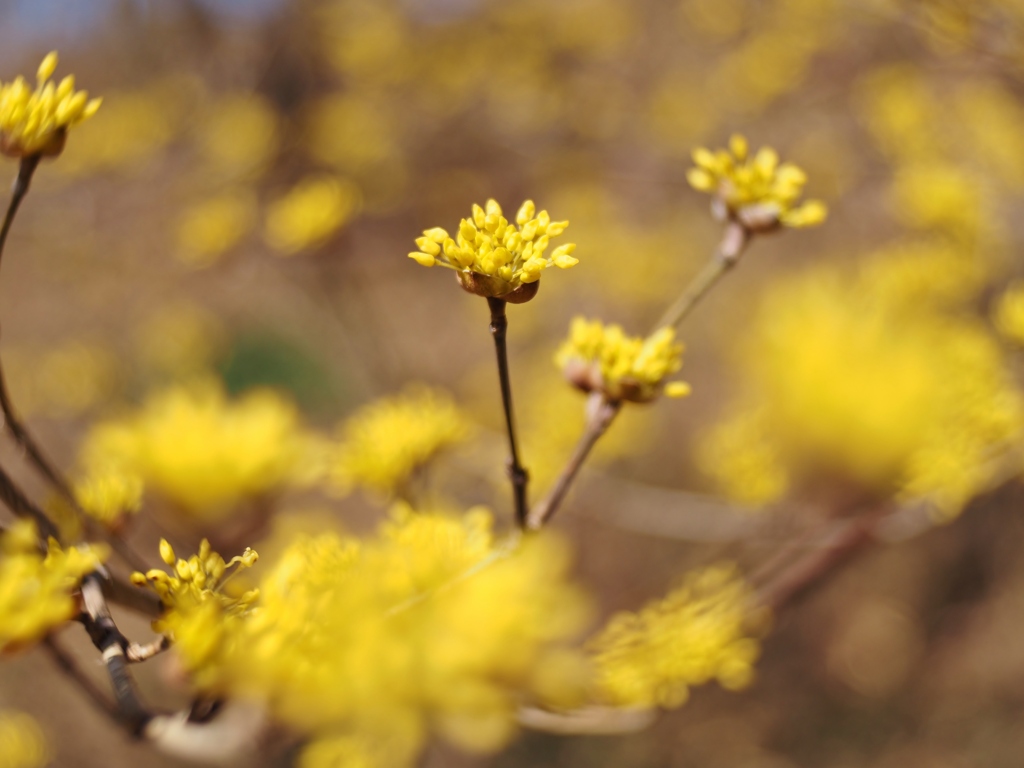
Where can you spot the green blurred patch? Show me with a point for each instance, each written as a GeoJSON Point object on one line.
{"type": "Point", "coordinates": [262, 358]}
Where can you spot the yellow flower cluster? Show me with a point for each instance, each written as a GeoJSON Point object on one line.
{"type": "Point", "coordinates": [195, 604]}
{"type": "Point", "coordinates": [494, 257]}
{"type": "Point", "coordinates": [109, 494]}
{"type": "Point", "coordinates": [602, 358]}
{"type": "Point", "coordinates": [1009, 313]}
{"type": "Point", "coordinates": [22, 744]}
{"type": "Point", "coordinates": [385, 443]}
{"type": "Point", "coordinates": [204, 453]}
{"type": "Point", "coordinates": [36, 122]}
{"type": "Point", "coordinates": [36, 590]}
{"type": "Point", "coordinates": [755, 190]}
{"type": "Point", "coordinates": [430, 625]}
{"type": "Point", "coordinates": [850, 381]}
{"type": "Point", "coordinates": [699, 632]}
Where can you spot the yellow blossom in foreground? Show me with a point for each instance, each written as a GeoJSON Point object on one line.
{"type": "Point", "coordinates": [755, 190]}
{"type": "Point", "coordinates": [205, 453]}
{"type": "Point", "coordinates": [431, 625]}
{"type": "Point", "coordinates": [310, 213]}
{"type": "Point", "coordinates": [1009, 313]}
{"type": "Point", "coordinates": [36, 590]}
{"type": "Point", "coordinates": [845, 379]}
{"type": "Point", "coordinates": [599, 357]}
{"type": "Point", "coordinates": [109, 495]}
{"type": "Point", "coordinates": [195, 605]}
{"type": "Point", "coordinates": [386, 442]}
{"type": "Point", "coordinates": [495, 257]}
{"type": "Point", "coordinates": [698, 633]}
{"type": "Point", "coordinates": [36, 122]}
{"type": "Point", "coordinates": [22, 744]}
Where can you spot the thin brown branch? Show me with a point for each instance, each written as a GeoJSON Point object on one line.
{"type": "Point", "coordinates": [517, 474]}
{"type": "Point", "coordinates": [20, 504]}
{"type": "Point", "coordinates": [601, 413]}
{"type": "Point", "coordinates": [70, 668]}
{"type": "Point", "coordinates": [727, 255]}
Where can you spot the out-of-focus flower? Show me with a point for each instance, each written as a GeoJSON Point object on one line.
{"type": "Point", "coordinates": [850, 380]}
{"type": "Point", "coordinates": [740, 454]}
{"type": "Point", "coordinates": [755, 190]}
{"type": "Point", "coordinates": [939, 196]}
{"type": "Point", "coordinates": [22, 743]}
{"type": "Point", "coordinates": [429, 625]}
{"type": "Point", "coordinates": [109, 495]}
{"type": "Point", "coordinates": [36, 122]}
{"type": "Point", "coordinates": [1008, 314]}
{"type": "Point", "coordinates": [385, 443]}
{"type": "Point", "coordinates": [495, 257]}
{"type": "Point", "coordinates": [310, 213]}
{"type": "Point", "coordinates": [131, 129]}
{"type": "Point", "coordinates": [238, 134]}
{"type": "Point", "coordinates": [599, 357]}
{"type": "Point", "coordinates": [37, 590]}
{"type": "Point", "coordinates": [203, 452]}
{"type": "Point", "coordinates": [700, 632]}
{"type": "Point", "coordinates": [212, 227]}
{"type": "Point", "coordinates": [351, 751]}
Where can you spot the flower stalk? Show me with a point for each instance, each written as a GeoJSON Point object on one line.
{"type": "Point", "coordinates": [516, 472]}
{"type": "Point", "coordinates": [727, 255]}
{"type": "Point", "coordinates": [601, 412]}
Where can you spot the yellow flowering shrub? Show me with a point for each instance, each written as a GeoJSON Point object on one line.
{"type": "Point", "coordinates": [493, 256]}
{"type": "Point", "coordinates": [22, 743]}
{"type": "Point", "coordinates": [756, 190]}
{"type": "Point", "coordinates": [204, 452]}
{"type": "Point", "coordinates": [599, 357]}
{"type": "Point", "coordinates": [431, 625]}
{"type": "Point", "coordinates": [847, 378]}
{"type": "Point", "coordinates": [700, 632]}
{"type": "Point", "coordinates": [385, 443]}
{"type": "Point", "coordinates": [36, 122]}
{"type": "Point", "coordinates": [36, 589]}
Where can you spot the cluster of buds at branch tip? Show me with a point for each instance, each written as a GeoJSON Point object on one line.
{"type": "Point", "coordinates": [602, 358]}
{"type": "Point", "coordinates": [495, 258]}
{"type": "Point", "coordinates": [755, 191]}
{"type": "Point", "coordinates": [35, 123]}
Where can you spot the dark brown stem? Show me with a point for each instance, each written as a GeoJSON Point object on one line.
{"type": "Point", "coordinates": [20, 189]}
{"type": "Point", "coordinates": [727, 255]}
{"type": "Point", "coordinates": [70, 668]}
{"type": "Point", "coordinates": [21, 435]}
{"type": "Point", "coordinates": [20, 504]}
{"type": "Point", "coordinates": [517, 474]}
{"type": "Point", "coordinates": [601, 413]}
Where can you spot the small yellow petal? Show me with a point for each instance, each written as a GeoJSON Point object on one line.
{"type": "Point", "coordinates": [677, 389]}
{"type": "Point", "coordinates": [425, 259]}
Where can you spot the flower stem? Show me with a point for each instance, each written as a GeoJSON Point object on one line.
{"type": "Point", "coordinates": [20, 189]}
{"type": "Point", "coordinates": [517, 474]}
{"type": "Point", "coordinates": [727, 255]}
{"type": "Point", "coordinates": [21, 436]}
{"type": "Point", "coordinates": [10, 418]}
{"type": "Point", "coordinates": [601, 413]}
